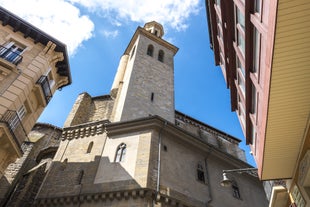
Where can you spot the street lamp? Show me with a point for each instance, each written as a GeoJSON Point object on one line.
{"type": "Point", "coordinates": [226, 182]}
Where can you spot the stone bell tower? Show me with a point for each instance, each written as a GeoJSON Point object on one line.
{"type": "Point", "coordinates": [144, 82]}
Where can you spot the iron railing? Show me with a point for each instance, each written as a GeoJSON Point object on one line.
{"type": "Point", "coordinates": [10, 55]}
{"type": "Point", "coordinates": [15, 126]}
{"type": "Point", "coordinates": [44, 83]}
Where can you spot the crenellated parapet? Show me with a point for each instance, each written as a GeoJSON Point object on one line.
{"type": "Point", "coordinates": [84, 130]}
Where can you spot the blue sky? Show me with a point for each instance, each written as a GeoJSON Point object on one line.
{"type": "Point", "coordinates": [97, 33]}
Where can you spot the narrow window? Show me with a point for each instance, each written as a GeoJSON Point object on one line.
{"type": "Point", "coordinates": [152, 97]}
{"type": "Point", "coordinates": [161, 56]}
{"type": "Point", "coordinates": [254, 99]}
{"type": "Point", "coordinates": [133, 52]}
{"type": "Point", "coordinates": [256, 51]}
{"type": "Point", "coordinates": [90, 146]}
{"type": "Point", "coordinates": [150, 50]}
{"type": "Point", "coordinates": [80, 177]}
{"type": "Point", "coordinates": [235, 190]}
{"type": "Point", "coordinates": [257, 6]}
{"type": "Point", "coordinates": [200, 173]}
{"type": "Point", "coordinates": [165, 148]}
{"type": "Point", "coordinates": [120, 153]}
{"type": "Point", "coordinates": [64, 164]}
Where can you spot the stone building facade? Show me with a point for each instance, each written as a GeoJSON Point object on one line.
{"type": "Point", "coordinates": [132, 148]}
{"type": "Point", "coordinates": [33, 65]}
{"type": "Point", "coordinates": [22, 179]}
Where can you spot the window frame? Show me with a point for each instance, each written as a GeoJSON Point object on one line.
{"type": "Point", "coordinates": [150, 50]}
{"type": "Point", "coordinates": [161, 56]}
{"type": "Point", "coordinates": [120, 152]}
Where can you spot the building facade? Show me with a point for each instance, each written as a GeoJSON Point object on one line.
{"type": "Point", "coordinates": [132, 148]}
{"type": "Point", "coordinates": [261, 47]}
{"type": "Point", "coordinates": [22, 179]}
{"type": "Point", "coordinates": [33, 65]}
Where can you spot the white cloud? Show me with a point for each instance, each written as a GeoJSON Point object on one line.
{"type": "Point", "coordinates": [109, 34]}
{"type": "Point", "coordinates": [62, 18]}
{"type": "Point", "coordinates": [172, 13]}
{"type": "Point", "coordinates": [58, 18]}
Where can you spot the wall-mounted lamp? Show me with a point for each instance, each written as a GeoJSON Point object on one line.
{"type": "Point", "coordinates": [226, 182]}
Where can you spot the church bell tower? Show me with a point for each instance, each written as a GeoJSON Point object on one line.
{"type": "Point", "coordinates": [144, 82]}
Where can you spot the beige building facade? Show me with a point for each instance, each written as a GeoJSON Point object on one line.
{"type": "Point", "coordinates": [132, 148]}
{"type": "Point", "coordinates": [262, 49]}
{"type": "Point", "coordinates": [33, 65]}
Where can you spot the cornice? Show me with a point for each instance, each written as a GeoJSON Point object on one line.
{"type": "Point", "coordinates": [38, 36]}
{"type": "Point", "coordinates": [113, 195]}
{"type": "Point", "coordinates": [151, 36]}
{"type": "Point", "coordinates": [207, 128]}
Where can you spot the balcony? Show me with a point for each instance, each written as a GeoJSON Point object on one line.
{"type": "Point", "coordinates": [10, 55]}
{"type": "Point", "coordinates": [12, 122]}
{"type": "Point", "coordinates": [45, 86]}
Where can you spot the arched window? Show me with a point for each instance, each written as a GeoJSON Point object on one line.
{"type": "Point", "coordinates": [120, 153]}
{"type": "Point", "coordinates": [150, 50]}
{"type": "Point", "coordinates": [161, 56]}
{"type": "Point", "coordinates": [90, 146]}
{"type": "Point", "coordinates": [200, 173]}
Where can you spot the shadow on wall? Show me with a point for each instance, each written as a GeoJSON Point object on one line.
{"type": "Point", "coordinates": [69, 179]}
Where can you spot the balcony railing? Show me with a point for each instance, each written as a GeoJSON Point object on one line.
{"type": "Point", "coordinates": [15, 126]}
{"type": "Point", "coordinates": [10, 55]}
{"type": "Point", "coordinates": [44, 83]}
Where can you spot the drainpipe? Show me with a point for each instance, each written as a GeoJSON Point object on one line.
{"type": "Point", "coordinates": [159, 163]}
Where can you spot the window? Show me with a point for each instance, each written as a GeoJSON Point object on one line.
{"type": "Point", "coordinates": [240, 42]}
{"type": "Point", "coordinates": [235, 190]}
{"type": "Point", "coordinates": [256, 50]}
{"type": "Point", "coordinates": [240, 22]}
{"type": "Point", "coordinates": [20, 114]}
{"type": "Point", "coordinates": [241, 68]}
{"type": "Point", "coordinates": [120, 153]}
{"type": "Point", "coordinates": [45, 85]}
{"type": "Point", "coordinates": [90, 146]}
{"type": "Point", "coordinates": [200, 173]}
{"type": "Point", "coordinates": [241, 112]}
{"type": "Point", "coordinates": [152, 97]}
{"type": "Point", "coordinates": [64, 164]}
{"type": "Point", "coordinates": [161, 56]}
{"type": "Point", "coordinates": [150, 50]}
{"type": "Point", "coordinates": [253, 135]}
{"type": "Point", "coordinates": [257, 6]}
{"type": "Point", "coordinates": [133, 52]}
{"type": "Point", "coordinates": [298, 198]}
{"type": "Point", "coordinates": [241, 83]}
{"type": "Point", "coordinates": [11, 52]}
{"type": "Point", "coordinates": [254, 99]}
{"type": "Point", "coordinates": [80, 177]}
{"type": "Point", "coordinates": [240, 18]}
